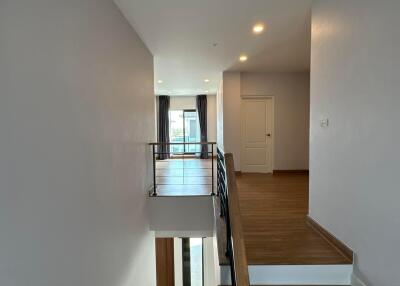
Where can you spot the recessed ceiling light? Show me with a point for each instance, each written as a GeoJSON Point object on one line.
{"type": "Point", "coordinates": [159, 81]}
{"type": "Point", "coordinates": [206, 91]}
{"type": "Point", "coordinates": [258, 28]}
{"type": "Point", "coordinates": [206, 80]}
{"type": "Point", "coordinates": [243, 58]}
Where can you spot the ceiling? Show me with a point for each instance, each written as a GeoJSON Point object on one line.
{"type": "Point", "coordinates": [193, 40]}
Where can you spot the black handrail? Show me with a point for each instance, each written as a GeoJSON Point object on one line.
{"type": "Point", "coordinates": [156, 145]}
{"type": "Point", "coordinates": [222, 192]}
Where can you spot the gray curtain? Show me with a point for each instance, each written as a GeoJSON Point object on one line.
{"type": "Point", "coordinates": [163, 126]}
{"type": "Point", "coordinates": [201, 102]}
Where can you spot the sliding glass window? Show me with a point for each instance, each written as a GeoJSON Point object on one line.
{"type": "Point", "coordinates": [184, 128]}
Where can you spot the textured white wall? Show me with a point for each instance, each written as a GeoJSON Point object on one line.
{"type": "Point", "coordinates": [354, 163]}
{"type": "Point", "coordinates": [292, 110]}
{"type": "Point", "coordinates": [76, 111]}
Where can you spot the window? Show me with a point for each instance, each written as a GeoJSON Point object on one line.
{"type": "Point", "coordinates": [192, 262]}
{"type": "Point", "coordinates": [184, 128]}
{"type": "Point", "coordinates": [196, 261]}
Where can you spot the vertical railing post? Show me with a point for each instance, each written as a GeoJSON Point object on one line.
{"type": "Point", "coordinates": [212, 169]}
{"type": "Point", "coordinates": [183, 162]}
{"type": "Point", "coordinates": [154, 171]}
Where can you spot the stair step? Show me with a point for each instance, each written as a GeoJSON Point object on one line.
{"type": "Point", "coordinates": [339, 274]}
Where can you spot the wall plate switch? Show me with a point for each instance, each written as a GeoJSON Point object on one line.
{"type": "Point", "coordinates": [324, 122]}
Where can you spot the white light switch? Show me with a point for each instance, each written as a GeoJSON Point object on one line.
{"type": "Point", "coordinates": [324, 122]}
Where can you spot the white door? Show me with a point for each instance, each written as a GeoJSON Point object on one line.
{"type": "Point", "coordinates": [256, 135]}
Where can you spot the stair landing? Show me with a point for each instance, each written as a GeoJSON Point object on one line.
{"type": "Point", "coordinates": [274, 210]}
{"type": "Point", "coordinates": [281, 248]}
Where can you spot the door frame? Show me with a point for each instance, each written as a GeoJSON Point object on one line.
{"type": "Point", "coordinates": [271, 147]}
{"type": "Point", "coordinates": [165, 270]}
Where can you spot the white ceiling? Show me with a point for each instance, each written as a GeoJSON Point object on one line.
{"type": "Point", "coordinates": [181, 35]}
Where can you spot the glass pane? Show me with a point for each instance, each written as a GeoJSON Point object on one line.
{"type": "Point", "coordinates": [176, 130]}
{"type": "Point", "coordinates": [192, 131]}
{"type": "Point", "coordinates": [196, 261]}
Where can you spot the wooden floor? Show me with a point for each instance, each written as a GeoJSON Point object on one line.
{"type": "Point", "coordinates": [184, 177]}
{"type": "Point", "coordinates": [273, 210]}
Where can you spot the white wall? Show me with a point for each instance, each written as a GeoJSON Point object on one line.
{"type": "Point", "coordinates": [231, 115]}
{"type": "Point", "coordinates": [188, 216]}
{"type": "Point", "coordinates": [178, 271]}
{"type": "Point", "coordinates": [355, 82]}
{"type": "Point", "coordinates": [76, 103]}
{"type": "Point", "coordinates": [292, 103]}
{"type": "Point", "coordinates": [182, 102]}
{"type": "Point", "coordinates": [220, 114]}
{"type": "Point", "coordinates": [212, 118]}
{"type": "Point", "coordinates": [209, 262]}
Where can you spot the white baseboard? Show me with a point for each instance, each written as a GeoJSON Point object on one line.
{"type": "Point", "coordinates": [295, 275]}
{"type": "Point", "coordinates": [355, 281]}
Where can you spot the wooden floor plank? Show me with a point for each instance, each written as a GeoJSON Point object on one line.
{"type": "Point", "coordinates": [185, 177]}
{"type": "Point", "coordinates": [274, 210]}
{"type": "Point", "coordinates": [183, 190]}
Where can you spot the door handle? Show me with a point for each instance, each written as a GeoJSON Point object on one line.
{"type": "Point", "coordinates": [268, 134]}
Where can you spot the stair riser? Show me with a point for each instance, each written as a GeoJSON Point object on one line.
{"type": "Point", "coordinates": [294, 274]}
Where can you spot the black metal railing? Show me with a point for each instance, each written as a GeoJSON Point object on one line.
{"type": "Point", "coordinates": [222, 192]}
{"type": "Point", "coordinates": [161, 152]}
